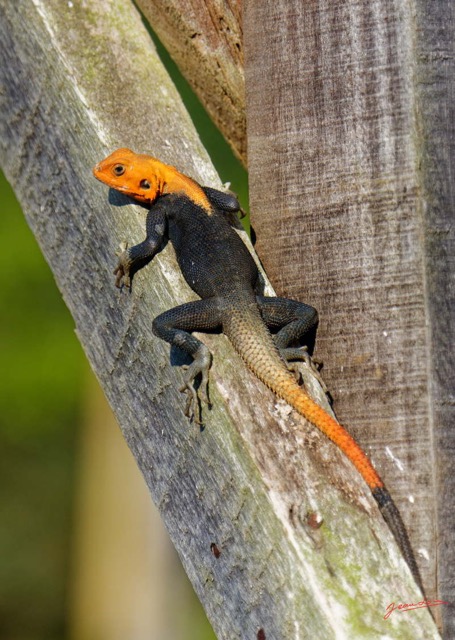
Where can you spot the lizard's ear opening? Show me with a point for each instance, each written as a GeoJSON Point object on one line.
{"type": "Point", "coordinates": [144, 184]}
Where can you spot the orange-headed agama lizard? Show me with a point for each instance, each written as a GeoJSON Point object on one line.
{"type": "Point", "coordinates": [219, 268]}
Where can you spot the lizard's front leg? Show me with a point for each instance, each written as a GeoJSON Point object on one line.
{"type": "Point", "coordinates": [175, 327]}
{"type": "Point", "coordinates": [134, 258]}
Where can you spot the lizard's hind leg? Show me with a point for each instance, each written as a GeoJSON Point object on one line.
{"type": "Point", "coordinates": [175, 326]}
{"type": "Point", "coordinates": [294, 325]}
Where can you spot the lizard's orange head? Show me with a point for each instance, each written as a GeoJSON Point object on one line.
{"type": "Point", "coordinates": [132, 174]}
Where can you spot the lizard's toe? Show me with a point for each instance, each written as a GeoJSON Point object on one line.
{"type": "Point", "coordinates": [292, 354]}
{"type": "Point", "coordinates": [122, 270]}
{"type": "Point", "coordinates": [195, 396]}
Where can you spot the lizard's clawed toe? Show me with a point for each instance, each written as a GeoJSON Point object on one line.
{"type": "Point", "coordinates": [122, 270]}
{"type": "Point", "coordinates": [292, 354]}
{"type": "Point", "coordinates": [197, 396]}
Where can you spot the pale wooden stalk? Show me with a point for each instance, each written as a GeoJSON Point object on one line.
{"type": "Point", "coordinates": [351, 123]}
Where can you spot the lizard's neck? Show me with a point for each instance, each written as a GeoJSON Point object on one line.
{"type": "Point", "coordinates": [172, 181]}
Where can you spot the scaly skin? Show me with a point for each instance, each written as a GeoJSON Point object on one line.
{"type": "Point", "coordinates": [255, 345]}
{"type": "Point", "coordinates": [155, 178]}
{"type": "Point", "coordinates": [219, 268]}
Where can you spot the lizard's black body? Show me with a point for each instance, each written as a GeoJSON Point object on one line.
{"type": "Point", "coordinates": [219, 268]}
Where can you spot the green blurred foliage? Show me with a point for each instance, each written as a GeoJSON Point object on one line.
{"type": "Point", "coordinates": [46, 356]}
{"type": "Point", "coordinates": [42, 366]}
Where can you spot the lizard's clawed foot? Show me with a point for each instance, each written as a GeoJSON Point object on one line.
{"type": "Point", "coordinates": [291, 354]}
{"type": "Point", "coordinates": [122, 270]}
{"type": "Point", "coordinates": [195, 397]}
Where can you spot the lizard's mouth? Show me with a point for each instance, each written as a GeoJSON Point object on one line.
{"type": "Point", "coordinates": [133, 193]}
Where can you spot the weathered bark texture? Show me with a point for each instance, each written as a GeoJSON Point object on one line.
{"type": "Point", "coordinates": [205, 40]}
{"type": "Point", "coordinates": [76, 82]}
{"type": "Point", "coordinates": [350, 111]}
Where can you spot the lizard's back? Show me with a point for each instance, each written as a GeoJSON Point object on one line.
{"type": "Point", "coordinates": [211, 255]}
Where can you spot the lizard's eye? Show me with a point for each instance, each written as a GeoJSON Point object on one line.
{"type": "Point", "coordinates": [144, 184]}
{"type": "Point", "coordinates": [118, 169]}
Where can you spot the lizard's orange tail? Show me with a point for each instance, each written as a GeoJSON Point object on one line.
{"type": "Point", "coordinates": [256, 346]}
{"type": "Point", "coordinates": [301, 401]}
{"type": "Point", "coordinates": [254, 343]}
